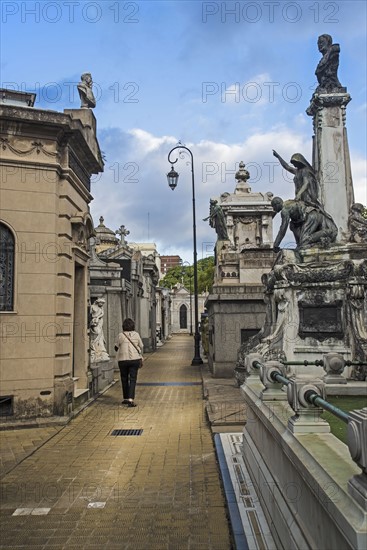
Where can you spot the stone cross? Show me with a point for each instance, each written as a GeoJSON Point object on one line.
{"type": "Point", "coordinates": [122, 232]}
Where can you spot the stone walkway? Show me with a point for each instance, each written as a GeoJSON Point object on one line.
{"type": "Point", "coordinates": [78, 486]}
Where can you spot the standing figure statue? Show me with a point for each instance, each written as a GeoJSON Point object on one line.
{"type": "Point", "coordinates": [97, 344]}
{"type": "Point", "coordinates": [326, 70]}
{"type": "Point", "coordinates": [310, 224]}
{"type": "Point", "coordinates": [305, 182]}
{"type": "Point", "coordinates": [88, 101]}
{"type": "Point", "coordinates": [217, 220]}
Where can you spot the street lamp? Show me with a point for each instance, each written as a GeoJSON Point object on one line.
{"type": "Point", "coordinates": [172, 178]}
{"type": "Point", "coordinates": [190, 306]}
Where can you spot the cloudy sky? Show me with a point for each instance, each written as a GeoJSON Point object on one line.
{"type": "Point", "coordinates": [231, 80]}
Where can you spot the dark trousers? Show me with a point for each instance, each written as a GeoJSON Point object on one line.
{"type": "Point", "coordinates": [129, 375]}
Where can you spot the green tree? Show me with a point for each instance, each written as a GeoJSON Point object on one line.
{"type": "Point", "coordinates": [184, 274]}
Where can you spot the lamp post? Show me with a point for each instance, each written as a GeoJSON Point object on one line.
{"type": "Point", "coordinates": [190, 275]}
{"type": "Point", "coordinates": [172, 178]}
{"type": "Point", "coordinates": [190, 306]}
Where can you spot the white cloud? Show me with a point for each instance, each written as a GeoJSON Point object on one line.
{"type": "Point", "coordinates": [359, 171]}
{"type": "Point", "coordinates": [150, 210]}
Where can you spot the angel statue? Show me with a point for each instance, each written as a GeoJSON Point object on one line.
{"type": "Point", "coordinates": [217, 220]}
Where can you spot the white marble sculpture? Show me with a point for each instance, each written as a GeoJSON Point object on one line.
{"type": "Point", "coordinates": [97, 345]}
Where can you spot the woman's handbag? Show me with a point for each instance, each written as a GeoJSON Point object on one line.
{"type": "Point", "coordinates": [137, 349]}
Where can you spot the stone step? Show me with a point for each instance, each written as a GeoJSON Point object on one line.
{"type": "Point", "coordinates": [80, 397]}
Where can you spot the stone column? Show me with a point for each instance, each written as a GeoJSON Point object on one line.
{"type": "Point", "coordinates": [331, 156]}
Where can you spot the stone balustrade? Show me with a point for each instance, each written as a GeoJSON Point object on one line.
{"type": "Point", "coordinates": [307, 398]}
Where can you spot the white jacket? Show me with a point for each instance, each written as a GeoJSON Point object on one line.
{"type": "Point", "coordinates": [126, 351]}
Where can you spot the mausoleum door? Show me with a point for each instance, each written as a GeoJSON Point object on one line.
{"type": "Point", "coordinates": [183, 316]}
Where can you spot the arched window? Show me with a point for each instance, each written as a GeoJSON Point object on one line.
{"type": "Point", "coordinates": [7, 259]}
{"type": "Point", "coordinates": [183, 316]}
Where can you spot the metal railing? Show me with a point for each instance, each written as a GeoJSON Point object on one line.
{"type": "Point", "coordinates": [314, 399]}
{"type": "Point", "coordinates": [306, 396]}
{"type": "Point", "coordinates": [320, 363]}
{"type": "Point", "coordinates": [311, 396]}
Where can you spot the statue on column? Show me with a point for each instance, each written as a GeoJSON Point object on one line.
{"type": "Point", "coordinates": [97, 344]}
{"type": "Point", "coordinates": [88, 101]}
{"type": "Point", "coordinates": [326, 70]}
{"type": "Point", "coordinates": [217, 220]}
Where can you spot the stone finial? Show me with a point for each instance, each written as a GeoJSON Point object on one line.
{"type": "Point", "coordinates": [334, 365]}
{"type": "Point", "coordinates": [101, 220]}
{"type": "Point", "coordinates": [88, 101]}
{"type": "Point", "coordinates": [242, 175]}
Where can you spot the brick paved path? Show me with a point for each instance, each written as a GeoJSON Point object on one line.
{"type": "Point", "coordinates": [84, 488]}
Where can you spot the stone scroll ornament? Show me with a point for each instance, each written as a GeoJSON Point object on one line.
{"type": "Point", "coordinates": [88, 101]}
{"type": "Point", "coordinates": [97, 343]}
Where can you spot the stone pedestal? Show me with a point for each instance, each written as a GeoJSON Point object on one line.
{"type": "Point", "coordinates": [63, 402]}
{"type": "Point", "coordinates": [102, 375]}
{"type": "Point", "coordinates": [331, 156]}
{"type": "Point", "coordinates": [234, 312]}
{"type": "Point", "coordinates": [316, 305]}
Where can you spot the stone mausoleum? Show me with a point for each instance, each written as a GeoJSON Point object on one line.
{"type": "Point", "coordinates": [182, 310]}
{"type": "Point", "coordinates": [243, 252]}
{"type": "Point", "coordinates": [126, 276]}
{"type": "Point", "coordinates": [47, 159]}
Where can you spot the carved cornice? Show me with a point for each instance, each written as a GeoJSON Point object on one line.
{"type": "Point", "coordinates": [320, 101]}
{"type": "Point", "coordinates": [296, 275]}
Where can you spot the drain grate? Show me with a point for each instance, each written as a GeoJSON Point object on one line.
{"type": "Point", "coordinates": [127, 432]}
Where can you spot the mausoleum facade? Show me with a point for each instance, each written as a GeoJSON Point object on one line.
{"type": "Point", "coordinates": [47, 161]}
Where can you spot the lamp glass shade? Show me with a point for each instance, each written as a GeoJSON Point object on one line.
{"type": "Point", "coordinates": [172, 178]}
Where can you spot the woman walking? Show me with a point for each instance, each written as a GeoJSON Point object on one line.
{"type": "Point", "coordinates": [129, 349]}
